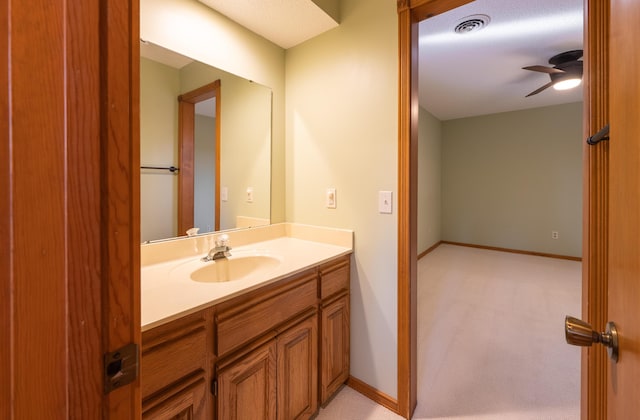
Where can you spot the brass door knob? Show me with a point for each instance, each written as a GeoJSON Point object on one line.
{"type": "Point", "coordinates": [580, 333]}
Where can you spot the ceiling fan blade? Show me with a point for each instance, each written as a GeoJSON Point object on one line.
{"type": "Point", "coordinates": [540, 89]}
{"type": "Point", "coordinates": [543, 69]}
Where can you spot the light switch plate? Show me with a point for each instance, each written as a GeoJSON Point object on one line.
{"type": "Point", "coordinates": [331, 198]}
{"type": "Point", "coordinates": [224, 194]}
{"type": "Point", "coordinates": [385, 201]}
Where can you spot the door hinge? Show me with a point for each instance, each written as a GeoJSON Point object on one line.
{"type": "Point", "coordinates": [120, 367]}
{"type": "Point", "coordinates": [214, 387]}
{"type": "Point", "coordinates": [601, 135]}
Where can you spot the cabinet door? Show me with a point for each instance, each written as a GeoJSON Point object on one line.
{"type": "Point", "coordinates": [185, 401]}
{"type": "Point", "coordinates": [247, 387]}
{"type": "Point", "coordinates": [334, 359]}
{"type": "Point", "coordinates": [298, 370]}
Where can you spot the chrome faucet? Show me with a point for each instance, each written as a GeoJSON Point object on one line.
{"type": "Point", "coordinates": [221, 250]}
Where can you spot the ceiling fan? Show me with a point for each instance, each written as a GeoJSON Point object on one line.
{"type": "Point", "coordinates": [565, 73]}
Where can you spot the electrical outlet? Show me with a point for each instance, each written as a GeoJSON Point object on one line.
{"type": "Point", "coordinates": [331, 198]}
{"type": "Point", "coordinates": [250, 195]}
{"type": "Point", "coordinates": [555, 234]}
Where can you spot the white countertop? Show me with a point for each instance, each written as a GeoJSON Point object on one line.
{"type": "Point", "coordinates": [168, 294]}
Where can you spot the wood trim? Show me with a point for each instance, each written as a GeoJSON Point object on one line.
{"type": "Point", "coordinates": [7, 284]}
{"type": "Point", "coordinates": [429, 250]}
{"type": "Point", "coordinates": [595, 206]}
{"type": "Point", "coordinates": [424, 9]}
{"type": "Point", "coordinates": [186, 141]}
{"type": "Point", "coordinates": [120, 63]}
{"type": "Point", "coordinates": [515, 251]}
{"type": "Point", "coordinates": [84, 211]}
{"type": "Point", "coordinates": [186, 147]}
{"type": "Point", "coordinates": [408, 18]}
{"type": "Point", "coordinates": [373, 394]}
{"type": "Point", "coordinates": [407, 213]}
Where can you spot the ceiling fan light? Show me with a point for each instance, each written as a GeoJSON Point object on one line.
{"type": "Point", "coordinates": [567, 83]}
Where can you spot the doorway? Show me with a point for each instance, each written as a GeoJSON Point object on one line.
{"type": "Point", "coordinates": [509, 178]}
{"type": "Point", "coordinates": [595, 186]}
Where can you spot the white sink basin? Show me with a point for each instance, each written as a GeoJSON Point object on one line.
{"type": "Point", "coordinates": [230, 269]}
{"type": "Point", "coordinates": [237, 267]}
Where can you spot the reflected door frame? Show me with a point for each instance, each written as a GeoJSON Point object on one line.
{"type": "Point", "coordinates": [186, 157]}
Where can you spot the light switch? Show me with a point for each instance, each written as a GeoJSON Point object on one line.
{"type": "Point", "coordinates": [224, 194]}
{"type": "Point", "coordinates": [331, 198]}
{"type": "Point", "coordinates": [250, 195]}
{"type": "Point", "coordinates": [385, 201]}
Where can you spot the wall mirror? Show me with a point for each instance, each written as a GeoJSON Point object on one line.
{"type": "Point", "coordinates": [229, 119]}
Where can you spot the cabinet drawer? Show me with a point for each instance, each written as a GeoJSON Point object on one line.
{"type": "Point", "coordinates": [239, 321]}
{"type": "Point", "coordinates": [170, 354]}
{"type": "Point", "coordinates": [185, 400]}
{"type": "Point", "coordinates": [334, 278]}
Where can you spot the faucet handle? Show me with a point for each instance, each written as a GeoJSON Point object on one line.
{"type": "Point", "coordinates": [222, 240]}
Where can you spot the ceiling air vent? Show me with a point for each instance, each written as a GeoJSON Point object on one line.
{"type": "Point", "coordinates": [472, 23]}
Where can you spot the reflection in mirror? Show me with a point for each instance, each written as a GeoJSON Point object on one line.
{"type": "Point", "coordinates": [199, 150]}
{"type": "Point", "coordinates": [243, 160]}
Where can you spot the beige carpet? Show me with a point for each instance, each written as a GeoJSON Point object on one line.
{"type": "Point", "coordinates": [490, 340]}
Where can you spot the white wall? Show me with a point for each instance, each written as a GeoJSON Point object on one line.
{"type": "Point", "coordinates": [342, 132]}
{"type": "Point", "coordinates": [429, 180]}
{"type": "Point", "coordinates": [510, 179]}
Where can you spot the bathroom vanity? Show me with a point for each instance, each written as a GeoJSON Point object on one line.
{"type": "Point", "coordinates": [269, 343]}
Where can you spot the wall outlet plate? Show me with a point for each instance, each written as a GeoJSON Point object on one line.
{"type": "Point", "coordinates": [250, 195]}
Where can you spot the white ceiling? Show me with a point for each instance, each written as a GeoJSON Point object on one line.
{"type": "Point", "coordinates": [481, 72]}
{"type": "Point", "coordinates": [286, 23]}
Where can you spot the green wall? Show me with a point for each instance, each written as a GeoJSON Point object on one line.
{"type": "Point", "coordinates": [429, 180]}
{"type": "Point", "coordinates": [159, 88]}
{"type": "Point", "coordinates": [342, 132]}
{"type": "Point", "coordinates": [510, 179]}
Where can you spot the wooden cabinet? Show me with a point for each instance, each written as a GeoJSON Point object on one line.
{"type": "Point", "coordinates": [298, 370]}
{"type": "Point", "coordinates": [334, 366]}
{"type": "Point", "coordinates": [247, 386]}
{"type": "Point", "coordinates": [184, 401]}
{"type": "Point", "coordinates": [175, 367]}
{"type": "Point", "coordinates": [271, 353]}
{"type": "Point", "coordinates": [334, 323]}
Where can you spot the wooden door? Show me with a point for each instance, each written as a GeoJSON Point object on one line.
{"type": "Point", "coordinates": [69, 225]}
{"type": "Point", "coordinates": [247, 387]}
{"type": "Point", "coordinates": [298, 370]}
{"type": "Point", "coordinates": [623, 378]}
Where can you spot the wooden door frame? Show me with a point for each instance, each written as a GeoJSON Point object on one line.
{"type": "Point", "coordinates": [69, 206]}
{"type": "Point", "coordinates": [595, 198]}
{"type": "Point", "coordinates": [595, 235]}
{"type": "Point", "coordinates": [186, 150]}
